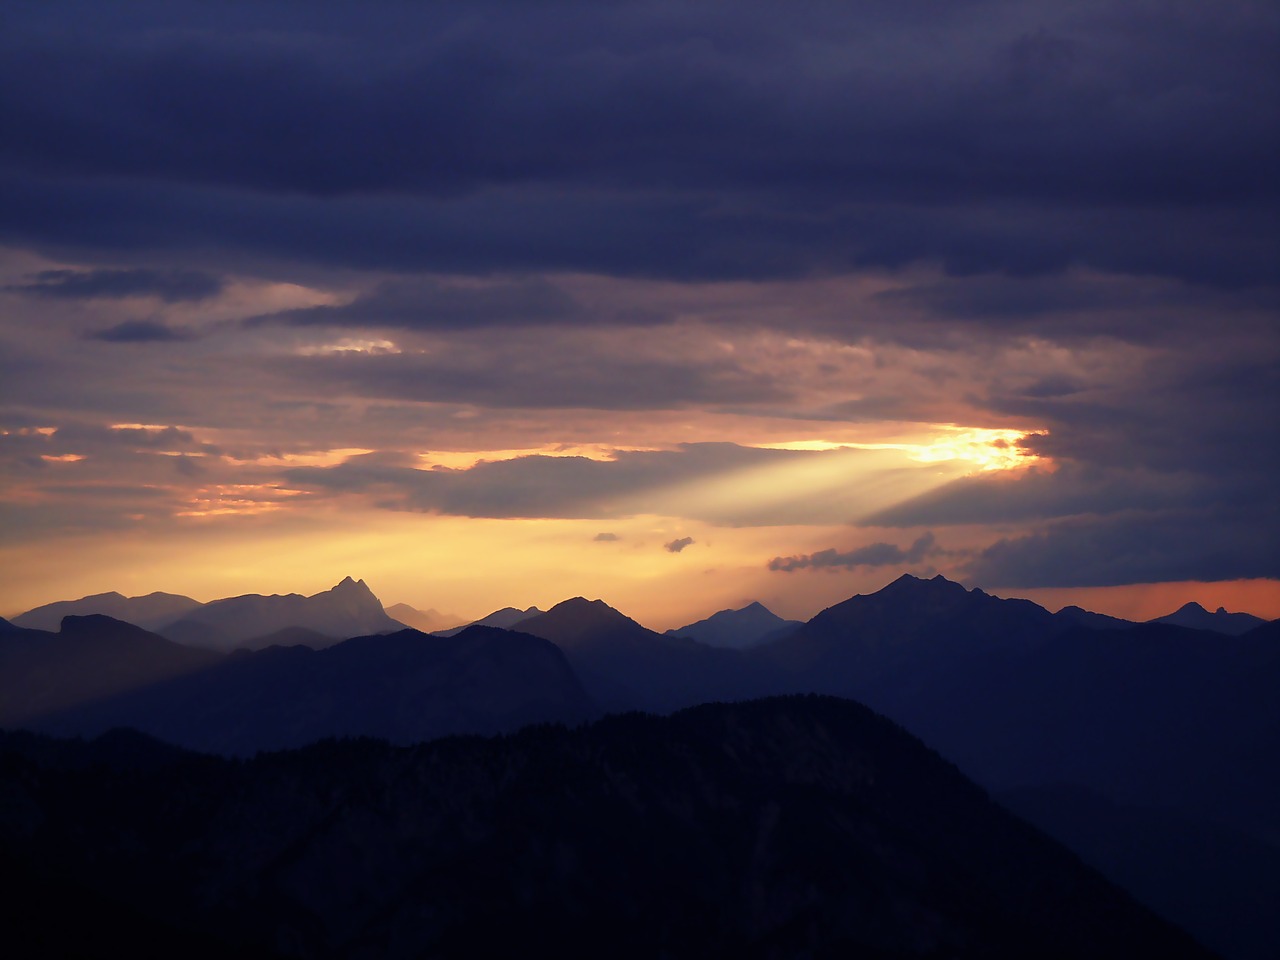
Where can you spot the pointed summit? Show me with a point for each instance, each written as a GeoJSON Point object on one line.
{"type": "Point", "coordinates": [348, 609]}
{"type": "Point", "coordinates": [737, 629]}
{"type": "Point", "coordinates": [1196, 617]}
{"type": "Point", "coordinates": [911, 624]}
{"type": "Point", "coordinates": [578, 619]}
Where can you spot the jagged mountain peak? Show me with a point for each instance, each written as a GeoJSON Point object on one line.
{"type": "Point", "coordinates": [350, 585]}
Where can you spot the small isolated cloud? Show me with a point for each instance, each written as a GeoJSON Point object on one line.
{"type": "Point", "coordinates": [675, 546]}
{"type": "Point", "coordinates": [171, 286]}
{"type": "Point", "coordinates": [872, 555]}
{"type": "Point", "coordinates": [606, 537]}
{"type": "Point", "coordinates": [139, 331]}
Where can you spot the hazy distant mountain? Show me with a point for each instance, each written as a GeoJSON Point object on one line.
{"type": "Point", "coordinates": [428, 621]}
{"type": "Point", "coordinates": [348, 610]}
{"type": "Point", "coordinates": [1220, 621]}
{"type": "Point", "coordinates": [91, 658]}
{"type": "Point", "coordinates": [504, 619]}
{"type": "Point", "coordinates": [150, 612]}
{"type": "Point", "coordinates": [738, 629]}
{"type": "Point", "coordinates": [781, 828]}
{"type": "Point", "coordinates": [1094, 621]}
{"type": "Point", "coordinates": [626, 666]}
{"type": "Point", "coordinates": [405, 687]}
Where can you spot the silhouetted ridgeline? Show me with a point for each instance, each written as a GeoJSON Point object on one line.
{"type": "Point", "coordinates": [779, 828]}
{"type": "Point", "coordinates": [1165, 724]}
{"type": "Point", "coordinates": [403, 686]}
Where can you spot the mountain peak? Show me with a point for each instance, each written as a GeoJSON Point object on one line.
{"type": "Point", "coordinates": [577, 618]}
{"type": "Point", "coordinates": [936, 586]}
{"type": "Point", "coordinates": [1193, 607]}
{"type": "Point", "coordinates": [582, 607]}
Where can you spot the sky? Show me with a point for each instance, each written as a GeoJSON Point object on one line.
{"type": "Point", "coordinates": [678, 305]}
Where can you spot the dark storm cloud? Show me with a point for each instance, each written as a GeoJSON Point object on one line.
{"type": "Point", "coordinates": [524, 379]}
{"type": "Point", "coordinates": [1169, 477]}
{"type": "Point", "coordinates": [171, 286]}
{"type": "Point", "coordinates": [139, 331]}
{"type": "Point", "coordinates": [672, 139]}
{"type": "Point", "coordinates": [676, 546]}
{"type": "Point", "coordinates": [871, 555]}
{"type": "Point", "coordinates": [1038, 494]}
{"type": "Point", "coordinates": [427, 304]}
{"type": "Point", "coordinates": [1210, 545]}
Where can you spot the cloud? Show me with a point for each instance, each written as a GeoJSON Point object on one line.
{"type": "Point", "coordinates": [606, 537]}
{"type": "Point", "coordinates": [871, 555]}
{"type": "Point", "coordinates": [1208, 545]}
{"type": "Point", "coordinates": [666, 482]}
{"type": "Point", "coordinates": [139, 331]}
{"type": "Point", "coordinates": [656, 140]}
{"type": "Point", "coordinates": [675, 546]}
{"type": "Point", "coordinates": [521, 379]}
{"type": "Point", "coordinates": [428, 304]}
{"type": "Point", "coordinates": [171, 286]}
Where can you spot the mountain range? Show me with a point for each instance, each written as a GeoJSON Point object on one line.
{"type": "Point", "coordinates": [1090, 714]}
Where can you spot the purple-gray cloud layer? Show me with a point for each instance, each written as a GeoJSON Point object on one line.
{"type": "Point", "coordinates": [1091, 184]}
{"type": "Point", "coordinates": [871, 555]}
{"type": "Point", "coordinates": [652, 137]}
{"type": "Point", "coordinates": [677, 545]}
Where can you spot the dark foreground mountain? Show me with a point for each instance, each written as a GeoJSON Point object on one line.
{"type": "Point", "coordinates": [404, 687]}
{"type": "Point", "coordinates": [149, 612]}
{"type": "Point", "coordinates": [349, 609]}
{"type": "Point", "coordinates": [781, 828]}
{"type": "Point", "coordinates": [1218, 882]}
{"type": "Point", "coordinates": [739, 629]}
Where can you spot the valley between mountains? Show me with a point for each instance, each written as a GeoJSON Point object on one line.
{"type": "Point", "coordinates": [721, 788]}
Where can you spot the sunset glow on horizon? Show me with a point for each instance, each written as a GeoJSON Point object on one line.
{"type": "Point", "coordinates": [684, 309]}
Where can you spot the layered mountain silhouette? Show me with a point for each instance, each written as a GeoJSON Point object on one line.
{"type": "Point", "coordinates": [779, 828]}
{"type": "Point", "coordinates": [91, 659]}
{"type": "Point", "coordinates": [506, 619]}
{"type": "Point", "coordinates": [1182, 724]}
{"type": "Point", "coordinates": [626, 666]}
{"type": "Point", "coordinates": [151, 612]}
{"type": "Point", "coordinates": [347, 610]}
{"type": "Point", "coordinates": [428, 621]}
{"type": "Point", "coordinates": [1220, 621]}
{"type": "Point", "coordinates": [1078, 616]}
{"type": "Point", "coordinates": [739, 629]}
{"type": "Point", "coordinates": [404, 687]}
